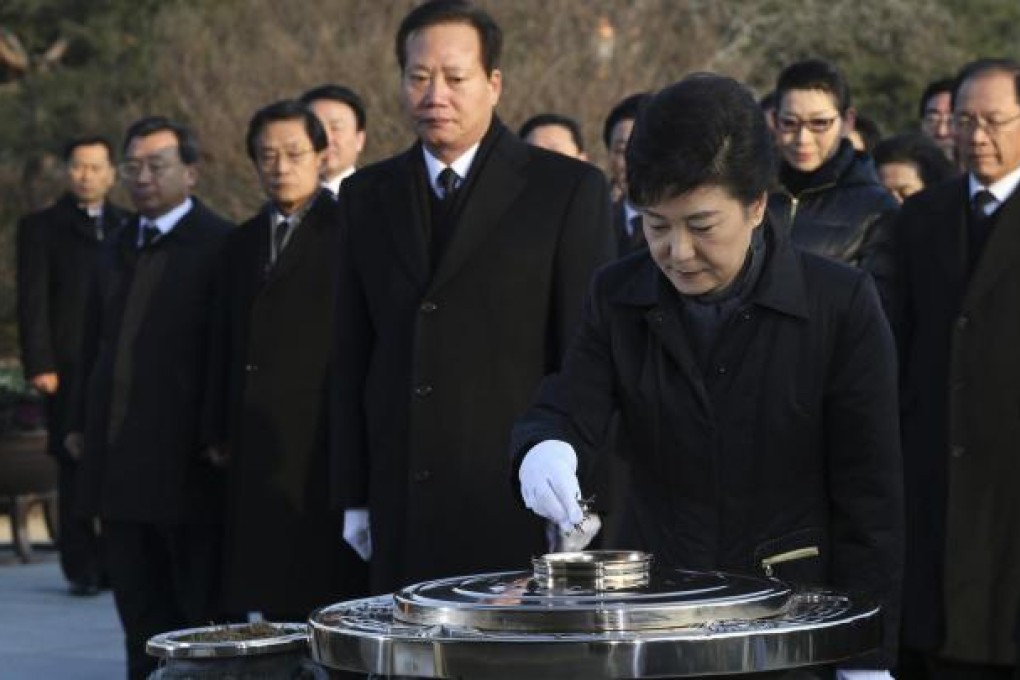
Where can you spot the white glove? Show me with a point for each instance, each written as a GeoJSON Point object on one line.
{"type": "Point", "coordinates": [861, 674]}
{"type": "Point", "coordinates": [356, 532]}
{"type": "Point", "coordinates": [549, 484]}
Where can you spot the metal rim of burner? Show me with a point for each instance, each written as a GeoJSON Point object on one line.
{"type": "Point", "coordinates": [596, 569]}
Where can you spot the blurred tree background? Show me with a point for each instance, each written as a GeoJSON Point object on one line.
{"type": "Point", "coordinates": [69, 67]}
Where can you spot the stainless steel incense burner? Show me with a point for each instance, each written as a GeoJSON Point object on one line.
{"type": "Point", "coordinates": [594, 614]}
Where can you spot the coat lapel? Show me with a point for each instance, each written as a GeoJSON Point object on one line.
{"type": "Point", "coordinates": [403, 215]}
{"type": "Point", "coordinates": [1001, 252]}
{"type": "Point", "coordinates": [305, 232]}
{"type": "Point", "coordinates": [646, 291]}
{"type": "Point", "coordinates": [496, 186]}
{"type": "Point", "coordinates": [950, 238]}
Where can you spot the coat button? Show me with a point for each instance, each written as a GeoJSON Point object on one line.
{"type": "Point", "coordinates": [251, 368]}
{"type": "Point", "coordinates": [957, 451]}
{"type": "Point", "coordinates": [745, 315]}
{"type": "Point", "coordinates": [422, 475]}
{"type": "Point", "coordinates": [962, 322]}
{"type": "Point", "coordinates": [423, 390]}
{"type": "Point", "coordinates": [721, 370]}
{"type": "Point", "coordinates": [428, 307]}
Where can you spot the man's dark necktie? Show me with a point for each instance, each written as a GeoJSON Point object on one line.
{"type": "Point", "coordinates": [635, 226]}
{"type": "Point", "coordinates": [448, 181]}
{"type": "Point", "coordinates": [150, 232]}
{"type": "Point", "coordinates": [442, 221]}
{"type": "Point", "coordinates": [979, 204]}
{"type": "Point", "coordinates": [96, 221]}
{"type": "Point", "coordinates": [980, 224]}
{"type": "Point", "coordinates": [280, 236]}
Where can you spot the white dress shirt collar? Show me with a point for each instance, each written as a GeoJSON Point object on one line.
{"type": "Point", "coordinates": [168, 220]}
{"type": "Point", "coordinates": [461, 166]}
{"type": "Point", "coordinates": [1001, 189]}
{"type": "Point", "coordinates": [334, 183]}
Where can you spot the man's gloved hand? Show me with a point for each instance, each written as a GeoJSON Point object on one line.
{"type": "Point", "coordinates": [356, 532]}
{"type": "Point", "coordinates": [549, 483]}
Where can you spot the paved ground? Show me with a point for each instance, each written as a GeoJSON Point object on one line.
{"type": "Point", "coordinates": [44, 632]}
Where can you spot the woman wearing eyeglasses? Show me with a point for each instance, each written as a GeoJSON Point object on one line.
{"type": "Point", "coordinates": [755, 382]}
{"type": "Point", "coordinates": [828, 196]}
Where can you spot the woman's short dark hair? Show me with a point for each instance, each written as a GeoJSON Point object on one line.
{"type": "Point", "coordinates": [187, 142]}
{"type": "Point", "coordinates": [814, 74]}
{"type": "Point", "coordinates": [704, 130]}
{"type": "Point", "coordinates": [435, 12]}
{"type": "Point", "coordinates": [287, 109]}
{"type": "Point", "coordinates": [917, 149]}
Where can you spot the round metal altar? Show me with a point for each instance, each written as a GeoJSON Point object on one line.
{"type": "Point", "coordinates": [596, 614]}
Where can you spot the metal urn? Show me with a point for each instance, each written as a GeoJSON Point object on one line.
{"type": "Point", "coordinates": [595, 614]}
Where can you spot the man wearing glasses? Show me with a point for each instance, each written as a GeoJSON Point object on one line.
{"type": "Point", "coordinates": [269, 381]}
{"type": "Point", "coordinates": [955, 314]}
{"type": "Point", "coordinates": [937, 114]}
{"type": "Point", "coordinates": [136, 426]}
{"type": "Point", "coordinates": [829, 196]}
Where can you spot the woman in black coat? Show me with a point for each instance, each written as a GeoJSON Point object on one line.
{"type": "Point", "coordinates": [756, 384]}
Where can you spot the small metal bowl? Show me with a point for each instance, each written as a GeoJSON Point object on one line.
{"type": "Point", "coordinates": [178, 645]}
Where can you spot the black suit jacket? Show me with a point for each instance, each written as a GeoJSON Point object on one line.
{"type": "Point", "coordinates": [433, 368]}
{"type": "Point", "coordinates": [959, 335]}
{"type": "Point", "coordinates": [144, 351]}
{"type": "Point", "coordinates": [273, 336]}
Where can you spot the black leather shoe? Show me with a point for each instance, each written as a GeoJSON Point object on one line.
{"type": "Point", "coordinates": [83, 589]}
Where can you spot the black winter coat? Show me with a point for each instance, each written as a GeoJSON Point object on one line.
{"type": "Point", "coordinates": [789, 441]}
{"type": "Point", "coordinates": [144, 352]}
{"type": "Point", "coordinates": [432, 368]}
{"type": "Point", "coordinates": [58, 250]}
{"type": "Point", "coordinates": [269, 398]}
{"type": "Point", "coordinates": [960, 337]}
{"type": "Point", "coordinates": [835, 215]}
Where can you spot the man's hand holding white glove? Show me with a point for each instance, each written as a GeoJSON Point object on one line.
{"type": "Point", "coordinates": [549, 483]}
{"type": "Point", "coordinates": [357, 533]}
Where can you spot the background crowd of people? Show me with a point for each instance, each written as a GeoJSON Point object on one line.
{"type": "Point", "coordinates": [255, 420]}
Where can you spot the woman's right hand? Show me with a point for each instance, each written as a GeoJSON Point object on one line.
{"type": "Point", "coordinates": [549, 485]}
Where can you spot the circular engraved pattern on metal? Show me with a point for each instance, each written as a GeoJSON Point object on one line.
{"type": "Point", "coordinates": [817, 628]}
{"type": "Point", "coordinates": [597, 569]}
{"type": "Point", "coordinates": [179, 645]}
{"type": "Point", "coordinates": [514, 601]}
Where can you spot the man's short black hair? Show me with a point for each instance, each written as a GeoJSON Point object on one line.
{"type": "Point", "coordinates": [187, 143]}
{"type": "Point", "coordinates": [870, 132]}
{"type": "Point", "coordinates": [814, 74]}
{"type": "Point", "coordinates": [338, 93]}
{"type": "Point", "coordinates": [435, 12]}
{"type": "Point", "coordinates": [557, 119]}
{"type": "Point", "coordinates": [89, 140]}
{"type": "Point", "coordinates": [626, 109]}
{"type": "Point", "coordinates": [706, 130]}
{"type": "Point", "coordinates": [287, 109]}
{"type": "Point", "coordinates": [919, 150]}
{"type": "Point", "coordinates": [931, 89]}
{"type": "Point", "coordinates": [768, 101]}
{"type": "Point", "coordinates": [981, 67]}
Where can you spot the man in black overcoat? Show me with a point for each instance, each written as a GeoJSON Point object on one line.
{"type": "Point", "coordinates": [463, 264]}
{"type": "Point", "coordinates": [272, 342]}
{"type": "Point", "coordinates": [144, 352]}
{"type": "Point", "coordinates": [615, 133]}
{"type": "Point", "coordinates": [58, 249]}
{"type": "Point", "coordinates": [954, 308]}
